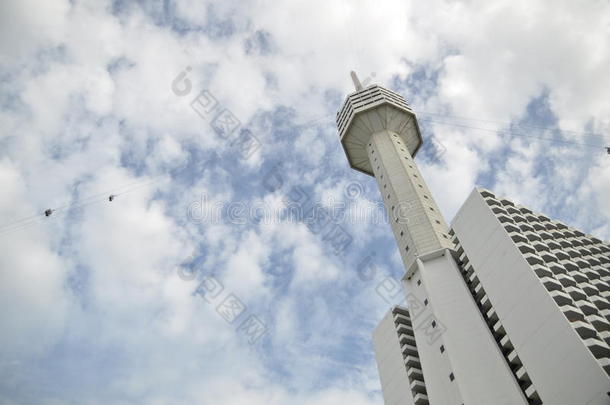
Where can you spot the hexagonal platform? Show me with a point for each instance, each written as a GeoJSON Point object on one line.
{"type": "Point", "coordinates": [373, 110]}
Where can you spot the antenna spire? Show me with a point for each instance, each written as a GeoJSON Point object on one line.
{"type": "Point", "coordinates": [356, 81]}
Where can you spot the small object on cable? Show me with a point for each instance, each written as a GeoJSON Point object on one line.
{"type": "Point", "coordinates": [48, 212]}
{"type": "Point", "coordinates": [111, 197]}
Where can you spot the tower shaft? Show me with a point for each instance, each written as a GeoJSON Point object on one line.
{"type": "Point", "coordinates": [417, 223]}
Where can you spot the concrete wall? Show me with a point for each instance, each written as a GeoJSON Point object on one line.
{"type": "Point", "coordinates": [561, 368]}
{"type": "Point", "coordinates": [481, 374]}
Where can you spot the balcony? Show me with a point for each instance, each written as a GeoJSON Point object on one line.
{"type": "Point", "coordinates": [531, 235]}
{"type": "Point", "coordinates": [519, 219]}
{"type": "Point", "coordinates": [605, 336]}
{"type": "Point", "coordinates": [412, 361]}
{"type": "Point", "coordinates": [581, 263]}
{"type": "Point", "coordinates": [409, 350]}
{"type": "Point", "coordinates": [593, 261]}
{"type": "Point", "coordinates": [545, 235]}
{"type": "Point", "coordinates": [541, 246]}
{"type": "Point", "coordinates": [506, 343]}
{"type": "Point", "coordinates": [518, 237]}
{"type": "Point", "coordinates": [525, 247]}
{"type": "Point", "coordinates": [566, 280]}
{"type": "Point", "coordinates": [599, 323]}
{"type": "Point", "coordinates": [524, 210]}
{"type": "Point", "coordinates": [591, 274]}
{"type": "Point", "coordinates": [542, 271]}
{"type": "Point", "coordinates": [533, 258]}
{"type": "Point", "coordinates": [418, 387]}
{"type": "Point", "coordinates": [579, 276]}
{"type": "Point", "coordinates": [521, 375]}
{"type": "Point", "coordinates": [401, 319]}
{"type": "Point", "coordinates": [402, 311]}
{"type": "Point", "coordinates": [408, 340]}
{"type": "Point", "coordinates": [556, 268]}
{"type": "Point", "coordinates": [597, 347]}
{"type": "Point", "coordinates": [527, 228]}
{"type": "Point", "coordinates": [405, 330]}
{"type": "Point", "coordinates": [493, 202]}
{"type": "Point", "coordinates": [550, 226]}
{"type": "Point", "coordinates": [572, 313]}
{"type": "Point", "coordinates": [589, 289]}
{"type": "Point", "coordinates": [511, 227]}
{"type": "Point", "coordinates": [414, 374]}
{"type": "Point", "coordinates": [514, 359]}
{"type": "Point", "coordinates": [498, 328]}
{"type": "Point", "coordinates": [569, 264]}
{"type": "Point", "coordinates": [420, 399]}
{"type": "Point", "coordinates": [600, 303]}
{"type": "Point", "coordinates": [561, 298]}
{"type": "Point", "coordinates": [485, 302]}
{"type": "Point", "coordinates": [584, 330]}
{"type": "Point", "coordinates": [576, 293]}
{"type": "Point", "coordinates": [479, 291]}
{"type": "Point", "coordinates": [492, 316]}
{"type": "Point", "coordinates": [499, 210]}
{"type": "Point", "coordinates": [587, 308]}
{"type": "Point", "coordinates": [532, 395]}
{"type": "Point", "coordinates": [550, 283]}
{"type": "Point", "coordinates": [600, 285]}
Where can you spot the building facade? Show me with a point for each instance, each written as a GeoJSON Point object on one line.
{"type": "Point", "coordinates": [453, 343]}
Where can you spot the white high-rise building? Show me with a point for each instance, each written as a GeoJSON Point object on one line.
{"type": "Point", "coordinates": [508, 307]}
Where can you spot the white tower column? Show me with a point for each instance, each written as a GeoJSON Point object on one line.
{"type": "Point", "coordinates": [417, 223]}
{"type": "Point", "coordinates": [380, 135]}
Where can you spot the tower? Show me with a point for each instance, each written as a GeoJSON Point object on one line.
{"type": "Point", "coordinates": [380, 136]}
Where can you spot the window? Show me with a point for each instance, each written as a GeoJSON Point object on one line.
{"type": "Point", "coordinates": [414, 175]}
{"type": "Point", "coordinates": [437, 221]}
{"type": "Point", "coordinates": [426, 303]}
{"type": "Point", "coordinates": [407, 248]}
{"type": "Point", "coordinates": [388, 196]}
{"type": "Point", "coordinates": [425, 196]}
{"type": "Point", "coordinates": [418, 282]}
{"type": "Point", "coordinates": [420, 186]}
{"type": "Point", "coordinates": [384, 186]}
{"type": "Point", "coordinates": [445, 236]}
{"type": "Point", "coordinates": [431, 209]}
{"type": "Point", "coordinates": [451, 377]}
{"type": "Point", "coordinates": [442, 349]}
{"type": "Point", "coordinates": [402, 233]}
{"type": "Point", "coordinates": [433, 322]}
{"type": "Point", "coordinates": [392, 208]}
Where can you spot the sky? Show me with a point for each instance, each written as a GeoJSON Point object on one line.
{"type": "Point", "coordinates": [212, 123]}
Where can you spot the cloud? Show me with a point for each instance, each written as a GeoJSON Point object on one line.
{"type": "Point", "coordinates": [89, 109]}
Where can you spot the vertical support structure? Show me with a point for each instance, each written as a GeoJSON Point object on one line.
{"type": "Point", "coordinates": [380, 136]}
